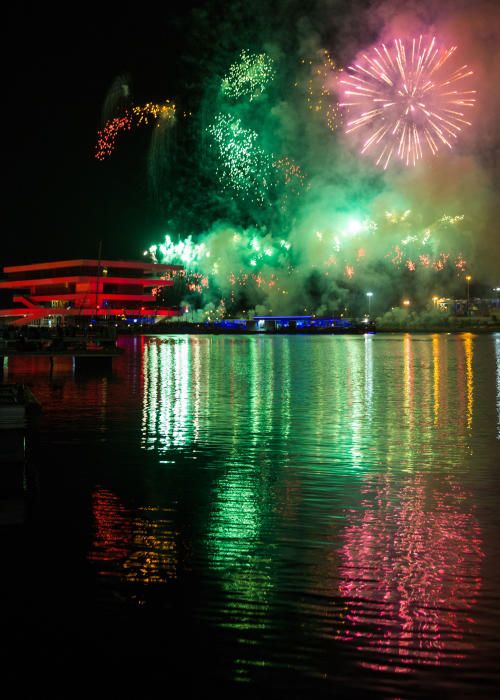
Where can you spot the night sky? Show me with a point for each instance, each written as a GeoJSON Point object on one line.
{"type": "Point", "coordinates": [60, 200]}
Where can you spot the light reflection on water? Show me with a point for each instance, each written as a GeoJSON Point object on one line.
{"type": "Point", "coordinates": [138, 547]}
{"type": "Point", "coordinates": [497, 353]}
{"type": "Point", "coordinates": [335, 499]}
{"type": "Point", "coordinates": [410, 572]}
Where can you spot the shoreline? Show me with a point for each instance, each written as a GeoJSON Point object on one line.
{"type": "Point", "coordinates": [476, 330]}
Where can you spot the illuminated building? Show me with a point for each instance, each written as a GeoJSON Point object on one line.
{"type": "Point", "coordinates": [482, 308]}
{"type": "Point", "coordinates": [86, 288]}
{"type": "Point", "coordinates": [261, 323]}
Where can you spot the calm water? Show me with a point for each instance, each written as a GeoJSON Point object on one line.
{"type": "Point", "coordinates": [315, 515]}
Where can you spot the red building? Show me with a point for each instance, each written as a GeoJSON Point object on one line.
{"type": "Point", "coordinates": [86, 288]}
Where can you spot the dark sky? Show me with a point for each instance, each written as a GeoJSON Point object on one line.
{"type": "Point", "coordinates": [60, 200]}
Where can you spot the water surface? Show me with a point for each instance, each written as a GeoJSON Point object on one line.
{"type": "Point", "coordinates": [315, 515]}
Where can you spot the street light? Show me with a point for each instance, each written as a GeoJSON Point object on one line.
{"type": "Point", "coordinates": [369, 295]}
{"type": "Point", "coordinates": [406, 302]}
{"type": "Point", "coordinates": [468, 279]}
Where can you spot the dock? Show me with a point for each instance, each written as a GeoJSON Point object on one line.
{"type": "Point", "coordinates": [86, 350]}
{"type": "Point", "coordinates": [82, 358]}
{"type": "Point", "coordinates": [18, 409]}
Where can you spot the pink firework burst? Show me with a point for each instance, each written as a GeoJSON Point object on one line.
{"type": "Point", "coordinates": [407, 98]}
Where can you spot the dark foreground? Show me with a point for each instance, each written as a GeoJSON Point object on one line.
{"type": "Point", "coordinates": [279, 516]}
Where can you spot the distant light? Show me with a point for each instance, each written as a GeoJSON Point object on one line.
{"type": "Point", "coordinates": [406, 302]}
{"type": "Point", "coordinates": [468, 278]}
{"type": "Point", "coordinates": [369, 294]}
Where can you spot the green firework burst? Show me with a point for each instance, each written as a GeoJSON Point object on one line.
{"type": "Point", "coordinates": [244, 166]}
{"type": "Point", "coordinates": [249, 76]}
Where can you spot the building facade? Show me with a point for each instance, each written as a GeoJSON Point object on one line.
{"type": "Point", "coordinates": [91, 289]}
{"type": "Point", "coordinates": [480, 308]}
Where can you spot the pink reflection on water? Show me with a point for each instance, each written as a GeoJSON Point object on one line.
{"type": "Point", "coordinates": [410, 572]}
{"type": "Point", "coordinates": [113, 532]}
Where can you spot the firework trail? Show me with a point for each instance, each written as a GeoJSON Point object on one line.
{"type": "Point", "coordinates": [135, 116]}
{"type": "Point", "coordinates": [161, 152]}
{"type": "Point", "coordinates": [118, 98]}
{"type": "Point", "coordinates": [405, 99]}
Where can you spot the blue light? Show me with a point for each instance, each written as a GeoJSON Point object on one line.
{"type": "Point", "coordinates": [281, 318]}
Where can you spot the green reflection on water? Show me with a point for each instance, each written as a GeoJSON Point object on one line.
{"type": "Point", "coordinates": [497, 354]}
{"type": "Point", "coordinates": [167, 392]}
{"type": "Point", "coordinates": [331, 394]}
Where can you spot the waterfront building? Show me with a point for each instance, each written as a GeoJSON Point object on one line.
{"type": "Point", "coordinates": [271, 323]}
{"type": "Point", "coordinates": [51, 292]}
{"type": "Point", "coordinates": [487, 308]}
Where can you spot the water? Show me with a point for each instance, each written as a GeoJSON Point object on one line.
{"type": "Point", "coordinates": [313, 515]}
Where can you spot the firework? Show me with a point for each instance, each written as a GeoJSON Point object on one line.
{"type": "Point", "coordinates": [419, 248]}
{"type": "Point", "coordinates": [244, 166]}
{"type": "Point", "coordinates": [405, 100]}
{"type": "Point", "coordinates": [290, 171]}
{"type": "Point", "coordinates": [355, 243]}
{"type": "Point", "coordinates": [226, 263]}
{"type": "Point", "coordinates": [153, 111]}
{"type": "Point", "coordinates": [184, 252]}
{"type": "Point", "coordinates": [319, 94]}
{"type": "Point", "coordinates": [136, 116]}
{"type": "Point", "coordinates": [106, 138]}
{"type": "Point", "coordinates": [249, 77]}
{"type": "Point", "coordinates": [239, 265]}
